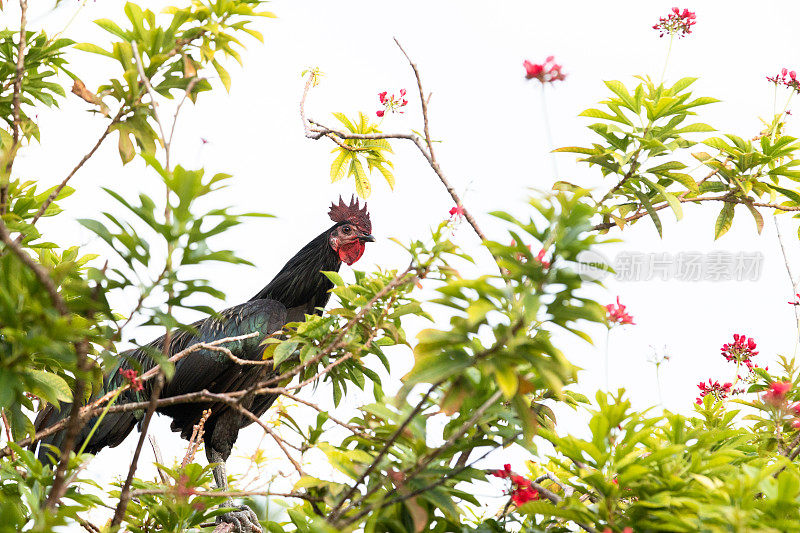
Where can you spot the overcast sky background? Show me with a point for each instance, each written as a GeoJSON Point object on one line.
{"type": "Point", "coordinates": [493, 149]}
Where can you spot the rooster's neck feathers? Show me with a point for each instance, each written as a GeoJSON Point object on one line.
{"type": "Point", "coordinates": [300, 284]}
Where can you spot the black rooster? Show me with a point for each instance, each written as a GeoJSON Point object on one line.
{"type": "Point", "coordinates": [297, 290]}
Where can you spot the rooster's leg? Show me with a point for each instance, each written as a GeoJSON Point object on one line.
{"type": "Point", "coordinates": [243, 519]}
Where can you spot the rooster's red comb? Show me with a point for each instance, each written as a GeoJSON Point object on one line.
{"type": "Point", "coordinates": [352, 213]}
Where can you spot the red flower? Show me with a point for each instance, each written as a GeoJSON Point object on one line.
{"type": "Point", "coordinates": [391, 102]}
{"type": "Point", "coordinates": [740, 351]}
{"type": "Point", "coordinates": [720, 392]}
{"type": "Point", "coordinates": [132, 377]}
{"type": "Point", "coordinates": [547, 72]}
{"type": "Point", "coordinates": [457, 211]}
{"type": "Point", "coordinates": [790, 82]}
{"type": "Point", "coordinates": [539, 256]}
{"type": "Point", "coordinates": [520, 490]}
{"type": "Point", "coordinates": [541, 259]}
{"type": "Point", "coordinates": [776, 394]}
{"type": "Point", "coordinates": [615, 314]}
{"type": "Point", "coordinates": [676, 23]}
{"type": "Point", "coordinates": [502, 473]}
{"type": "Point", "coordinates": [523, 495]}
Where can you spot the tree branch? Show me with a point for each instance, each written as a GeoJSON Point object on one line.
{"type": "Point", "coordinates": [39, 270]}
{"type": "Point", "coordinates": [124, 497]}
{"type": "Point", "coordinates": [15, 104]}
{"type": "Point", "coordinates": [59, 486]}
{"type": "Point", "coordinates": [98, 405]}
{"type": "Point", "coordinates": [334, 513]}
{"type": "Point", "coordinates": [698, 199]}
{"type": "Point", "coordinates": [425, 148]}
{"type": "Point", "coordinates": [53, 195]}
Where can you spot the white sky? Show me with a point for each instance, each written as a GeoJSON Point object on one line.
{"type": "Point", "coordinates": [490, 122]}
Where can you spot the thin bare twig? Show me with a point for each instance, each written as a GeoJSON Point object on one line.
{"type": "Point", "coordinates": [556, 499]}
{"type": "Point", "coordinates": [53, 195]}
{"type": "Point", "coordinates": [158, 455]}
{"type": "Point", "coordinates": [137, 58]}
{"type": "Point", "coordinates": [88, 526]}
{"type": "Point", "coordinates": [791, 279]}
{"type": "Point", "coordinates": [366, 509]}
{"type": "Point", "coordinates": [425, 147]}
{"type": "Point", "coordinates": [7, 426]}
{"type": "Point", "coordinates": [423, 462]}
{"type": "Point", "coordinates": [355, 430]}
{"type": "Point", "coordinates": [230, 494]}
{"type": "Point", "coordinates": [195, 439]}
{"type": "Point", "coordinates": [334, 513]}
{"type": "Point", "coordinates": [124, 497]}
{"type": "Point", "coordinates": [194, 81]}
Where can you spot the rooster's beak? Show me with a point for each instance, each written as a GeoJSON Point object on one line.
{"type": "Point", "coordinates": [366, 238]}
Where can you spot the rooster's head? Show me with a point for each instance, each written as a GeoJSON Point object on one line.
{"type": "Point", "coordinates": [353, 228]}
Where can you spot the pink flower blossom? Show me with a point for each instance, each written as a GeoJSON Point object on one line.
{"type": "Point", "coordinates": [776, 395]}
{"type": "Point", "coordinates": [391, 103]}
{"type": "Point", "coordinates": [457, 211]}
{"type": "Point", "coordinates": [740, 351]}
{"type": "Point", "coordinates": [133, 378]}
{"type": "Point", "coordinates": [720, 392]}
{"type": "Point", "coordinates": [547, 72]}
{"type": "Point", "coordinates": [616, 315]}
{"type": "Point", "coordinates": [676, 23]}
{"type": "Point", "coordinates": [786, 78]}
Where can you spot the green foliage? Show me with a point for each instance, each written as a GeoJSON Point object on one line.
{"type": "Point", "coordinates": [175, 52]}
{"type": "Point", "coordinates": [485, 377]}
{"type": "Point", "coordinates": [44, 59]}
{"type": "Point", "coordinates": [350, 157]}
{"type": "Point", "coordinates": [24, 487]}
{"type": "Point", "coordinates": [173, 504]}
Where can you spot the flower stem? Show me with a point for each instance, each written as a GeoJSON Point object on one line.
{"type": "Point", "coordinates": [666, 60]}
{"type": "Point", "coordinates": [658, 385]}
{"type": "Point", "coordinates": [608, 340]}
{"type": "Point", "coordinates": [547, 131]}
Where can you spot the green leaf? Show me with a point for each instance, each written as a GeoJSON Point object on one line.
{"type": "Point", "coordinates": [126, 149]}
{"type": "Point", "coordinates": [650, 211]}
{"type": "Point", "coordinates": [49, 386]}
{"type": "Point", "coordinates": [507, 380]}
{"type": "Point", "coordinates": [224, 77]}
{"type": "Point", "coordinates": [92, 48]}
{"type": "Point", "coordinates": [338, 168]}
{"type": "Point", "coordinates": [724, 220]}
{"type": "Point", "coordinates": [756, 216]}
{"type": "Point", "coordinates": [283, 351]}
{"type": "Point", "coordinates": [618, 88]}
{"type": "Point", "coordinates": [363, 187]}
{"type": "Point", "coordinates": [792, 195]}
{"type": "Point", "coordinates": [695, 128]}
{"type": "Point", "coordinates": [387, 174]}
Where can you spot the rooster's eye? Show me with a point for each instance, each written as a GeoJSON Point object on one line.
{"type": "Point", "coordinates": [346, 229]}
